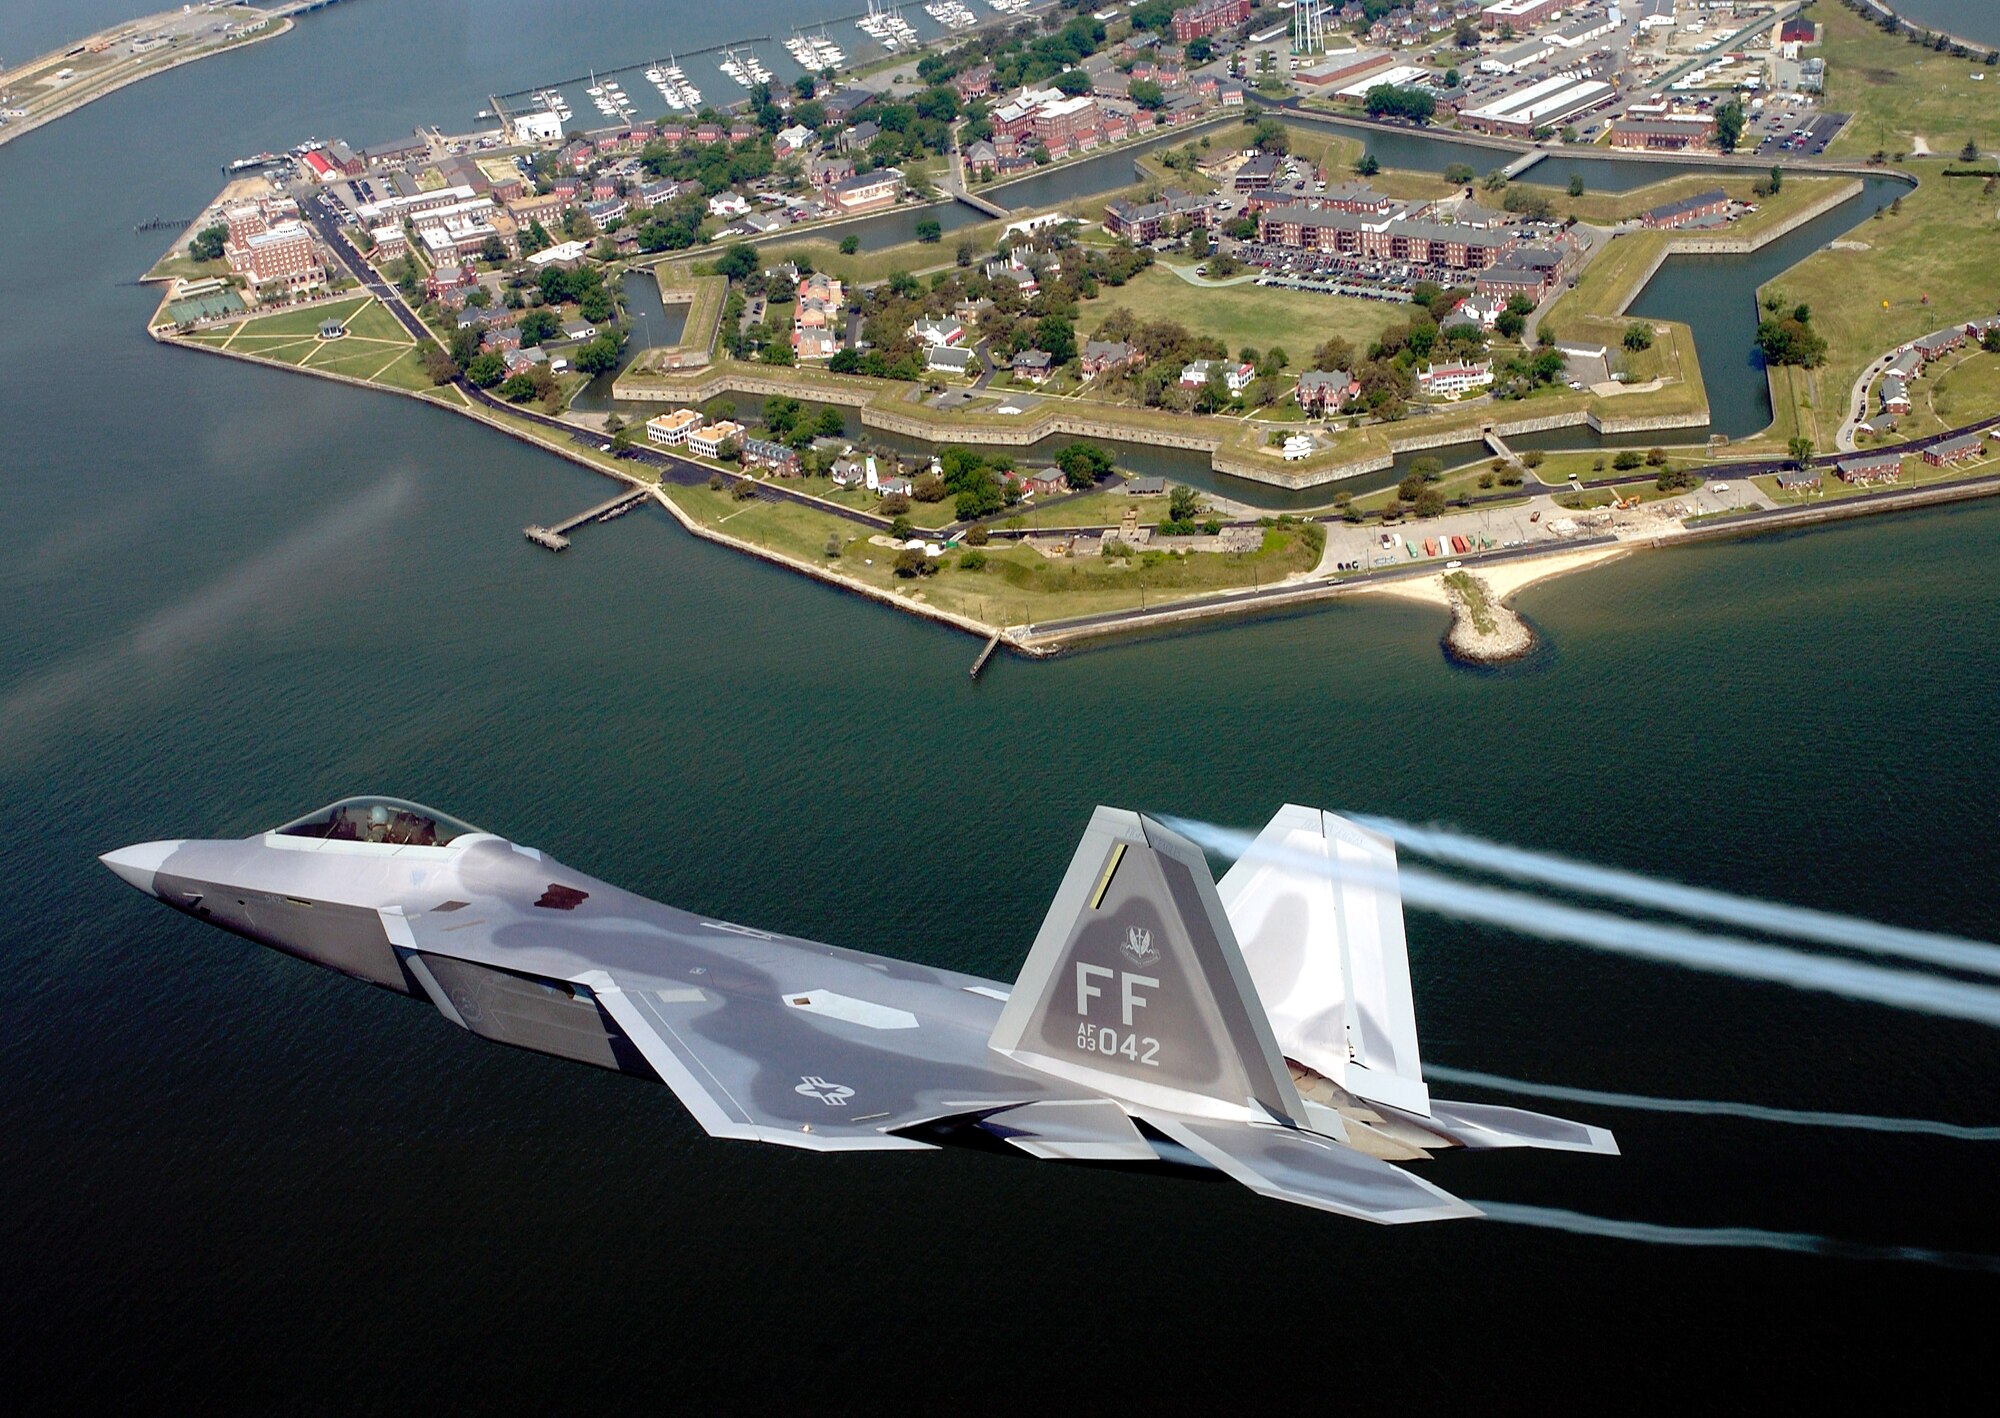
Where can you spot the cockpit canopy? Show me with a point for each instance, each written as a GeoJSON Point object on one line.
{"type": "Point", "coordinates": [389, 821]}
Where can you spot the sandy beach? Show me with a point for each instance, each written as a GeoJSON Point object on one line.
{"type": "Point", "coordinates": [1502, 579]}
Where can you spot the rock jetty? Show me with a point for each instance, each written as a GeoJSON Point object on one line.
{"type": "Point", "coordinates": [1483, 631]}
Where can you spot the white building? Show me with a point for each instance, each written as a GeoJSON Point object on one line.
{"type": "Point", "coordinates": [1448, 381]}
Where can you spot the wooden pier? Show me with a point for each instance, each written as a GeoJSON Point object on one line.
{"type": "Point", "coordinates": [556, 538]}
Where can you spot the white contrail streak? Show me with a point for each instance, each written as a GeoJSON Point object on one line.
{"type": "Point", "coordinates": [1796, 922]}
{"type": "Point", "coordinates": [1734, 1237]}
{"type": "Point", "coordinates": [1702, 1107]}
{"type": "Point", "coordinates": [1646, 940]}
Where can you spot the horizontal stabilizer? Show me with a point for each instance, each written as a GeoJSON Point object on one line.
{"type": "Point", "coordinates": [1484, 1125]}
{"type": "Point", "coordinates": [1072, 1130]}
{"type": "Point", "coordinates": [1294, 1165]}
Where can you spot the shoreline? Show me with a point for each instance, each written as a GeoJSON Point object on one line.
{"type": "Point", "coordinates": [1505, 574]}
{"type": "Point", "coordinates": [23, 127]}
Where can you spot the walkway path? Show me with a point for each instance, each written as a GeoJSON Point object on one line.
{"type": "Point", "coordinates": [1187, 274]}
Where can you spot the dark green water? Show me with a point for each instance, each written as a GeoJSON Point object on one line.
{"type": "Point", "coordinates": [234, 1183]}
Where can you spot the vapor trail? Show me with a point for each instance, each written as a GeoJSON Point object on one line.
{"type": "Point", "coordinates": [1733, 1237]}
{"type": "Point", "coordinates": [1797, 922]}
{"type": "Point", "coordinates": [1645, 940]}
{"type": "Point", "coordinates": [1862, 1122]}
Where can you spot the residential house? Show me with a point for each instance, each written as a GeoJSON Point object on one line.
{"type": "Point", "coordinates": [793, 140]}
{"type": "Point", "coordinates": [768, 453]}
{"type": "Point", "coordinates": [1035, 366]}
{"type": "Point", "coordinates": [1106, 357]}
{"type": "Point", "coordinates": [938, 331]}
{"type": "Point", "coordinates": [949, 359]}
{"type": "Point", "coordinates": [1321, 391]}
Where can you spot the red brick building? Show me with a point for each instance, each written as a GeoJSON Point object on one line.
{"type": "Point", "coordinates": [1207, 17]}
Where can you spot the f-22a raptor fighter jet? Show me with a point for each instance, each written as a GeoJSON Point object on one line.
{"type": "Point", "coordinates": [1261, 1026]}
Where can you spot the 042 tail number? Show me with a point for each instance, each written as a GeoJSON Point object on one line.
{"type": "Point", "coordinates": [1102, 1039]}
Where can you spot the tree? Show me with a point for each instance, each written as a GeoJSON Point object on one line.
{"type": "Point", "coordinates": [1576, 184]}
{"type": "Point", "coordinates": [831, 423]}
{"type": "Point", "coordinates": [1430, 503]}
{"type": "Point", "coordinates": [1627, 460]}
{"type": "Point", "coordinates": [930, 229]}
{"type": "Point", "coordinates": [1510, 324]}
{"type": "Point", "coordinates": [1777, 178]}
{"type": "Point", "coordinates": [737, 262]}
{"type": "Point", "coordinates": [1656, 457]}
{"type": "Point", "coordinates": [1459, 173]}
{"type": "Point", "coordinates": [598, 356]}
{"type": "Point", "coordinates": [1970, 152]}
{"type": "Point", "coordinates": [1638, 336]}
{"type": "Point", "coordinates": [1799, 450]}
{"type": "Point", "coordinates": [1200, 50]}
{"type": "Point", "coordinates": [439, 365]}
{"type": "Point", "coordinates": [1182, 504]}
{"type": "Point", "coordinates": [1367, 165]}
{"type": "Point", "coordinates": [493, 250]}
{"type": "Point", "coordinates": [517, 388]}
{"type": "Point", "coordinates": [910, 562]}
{"type": "Point", "coordinates": [1494, 180]}
{"type": "Point", "coordinates": [1147, 94]}
{"type": "Point", "coordinates": [207, 243]}
{"type": "Point", "coordinates": [486, 370]}
{"type": "Point", "coordinates": [1056, 335]}
{"type": "Point", "coordinates": [849, 244]}
{"type": "Point", "coordinates": [1729, 125]}
{"type": "Point", "coordinates": [1083, 464]}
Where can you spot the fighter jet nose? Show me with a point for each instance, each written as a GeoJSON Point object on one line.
{"type": "Point", "coordinates": [137, 864]}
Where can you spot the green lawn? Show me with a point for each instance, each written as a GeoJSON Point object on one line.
{"type": "Point", "coordinates": [307, 322]}
{"type": "Point", "coordinates": [1248, 314]}
{"type": "Point", "coordinates": [1092, 509]}
{"type": "Point", "coordinates": [1899, 91]}
{"type": "Point", "coordinates": [1017, 584]}
{"type": "Point", "coordinates": [1952, 393]}
{"type": "Point", "coordinates": [1916, 473]}
{"type": "Point", "coordinates": [1924, 268]}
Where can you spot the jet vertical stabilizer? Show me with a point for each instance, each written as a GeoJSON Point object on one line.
{"type": "Point", "coordinates": [1315, 905]}
{"type": "Point", "coordinates": [1135, 987]}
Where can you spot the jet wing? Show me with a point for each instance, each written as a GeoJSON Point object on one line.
{"type": "Point", "coordinates": [1294, 1165]}
{"type": "Point", "coordinates": [761, 1037]}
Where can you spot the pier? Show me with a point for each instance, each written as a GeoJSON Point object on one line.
{"type": "Point", "coordinates": [1521, 164]}
{"type": "Point", "coordinates": [556, 538]}
{"type": "Point", "coordinates": [992, 644]}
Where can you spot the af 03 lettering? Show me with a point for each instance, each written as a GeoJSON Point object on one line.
{"type": "Point", "coordinates": [1129, 985]}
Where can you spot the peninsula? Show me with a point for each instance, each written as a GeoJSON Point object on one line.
{"type": "Point", "coordinates": [64, 80]}
{"type": "Point", "coordinates": [909, 362]}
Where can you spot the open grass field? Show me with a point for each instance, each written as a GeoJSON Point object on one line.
{"type": "Point", "coordinates": [1247, 314]}
{"type": "Point", "coordinates": [1924, 268]}
{"type": "Point", "coordinates": [1899, 92]}
{"type": "Point", "coordinates": [1016, 585]}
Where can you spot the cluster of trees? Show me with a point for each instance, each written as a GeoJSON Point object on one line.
{"type": "Point", "coordinates": [979, 485]}
{"type": "Point", "coordinates": [1021, 54]}
{"type": "Point", "coordinates": [1394, 101]}
{"type": "Point", "coordinates": [1789, 338]}
{"type": "Point", "coordinates": [791, 423]}
{"type": "Point", "coordinates": [584, 286]}
{"type": "Point", "coordinates": [1083, 465]}
{"type": "Point", "coordinates": [207, 243]}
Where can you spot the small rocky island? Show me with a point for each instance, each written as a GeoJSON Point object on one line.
{"type": "Point", "coordinates": [1483, 631]}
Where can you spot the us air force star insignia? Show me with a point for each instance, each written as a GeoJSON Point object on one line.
{"type": "Point", "coordinates": [834, 1095]}
{"type": "Point", "coordinates": [1138, 946]}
